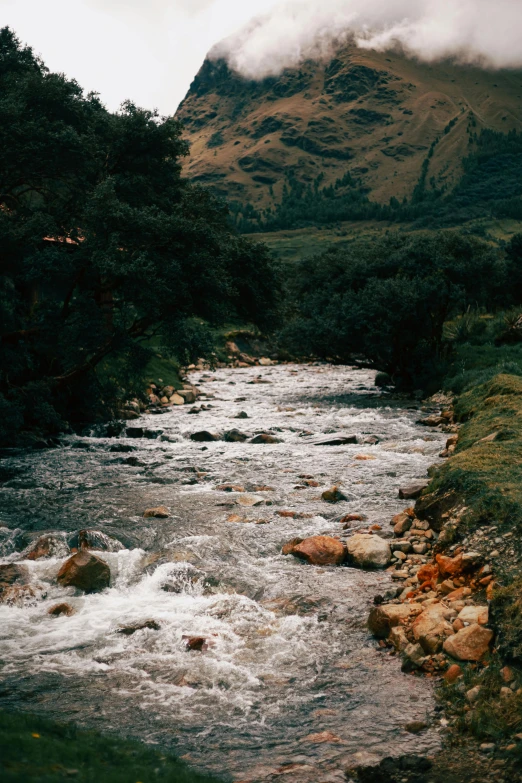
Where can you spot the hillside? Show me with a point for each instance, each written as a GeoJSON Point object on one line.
{"type": "Point", "coordinates": [374, 115]}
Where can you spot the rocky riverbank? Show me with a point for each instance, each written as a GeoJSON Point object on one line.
{"type": "Point", "coordinates": [458, 616]}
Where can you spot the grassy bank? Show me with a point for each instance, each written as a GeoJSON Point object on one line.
{"type": "Point", "coordinates": [481, 488]}
{"type": "Point", "coordinates": [39, 750]}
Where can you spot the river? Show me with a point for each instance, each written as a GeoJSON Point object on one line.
{"type": "Point", "coordinates": [289, 656]}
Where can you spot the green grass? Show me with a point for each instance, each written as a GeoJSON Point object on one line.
{"type": "Point", "coordinates": [488, 475]}
{"type": "Point", "coordinates": [39, 750]}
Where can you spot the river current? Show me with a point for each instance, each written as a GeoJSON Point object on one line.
{"type": "Point", "coordinates": [288, 656]}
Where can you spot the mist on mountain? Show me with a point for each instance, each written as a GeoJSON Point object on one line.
{"type": "Point", "coordinates": [469, 31]}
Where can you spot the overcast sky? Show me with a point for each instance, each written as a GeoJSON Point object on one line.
{"type": "Point", "coordinates": [146, 50]}
{"type": "Point", "coordinates": [150, 50]}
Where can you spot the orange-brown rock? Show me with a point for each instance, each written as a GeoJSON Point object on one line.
{"type": "Point", "coordinates": [196, 643]}
{"type": "Point", "coordinates": [428, 573]}
{"type": "Point", "coordinates": [289, 547]}
{"type": "Point", "coordinates": [459, 594]}
{"type": "Point", "coordinates": [86, 572]}
{"type": "Point", "coordinates": [432, 627]}
{"type": "Point", "coordinates": [470, 644]}
{"type": "Point", "coordinates": [333, 495]}
{"type": "Point", "coordinates": [387, 616]}
{"type": "Point", "coordinates": [352, 518]}
{"type": "Point", "coordinates": [287, 514]}
{"type": "Point", "coordinates": [320, 550]}
{"type": "Point", "coordinates": [160, 512]}
{"type": "Point", "coordinates": [12, 574]}
{"type": "Point", "coordinates": [449, 566]}
{"type": "Point", "coordinates": [230, 488]}
{"type": "Point", "coordinates": [61, 609]}
{"type": "Point", "coordinates": [453, 674]}
{"type": "Point", "coordinates": [47, 546]}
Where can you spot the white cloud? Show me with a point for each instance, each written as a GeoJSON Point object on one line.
{"type": "Point", "coordinates": [150, 50]}
{"type": "Point", "coordinates": [483, 31]}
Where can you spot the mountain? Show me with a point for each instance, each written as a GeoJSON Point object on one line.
{"type": "Point", "coordinates": [376, 116]}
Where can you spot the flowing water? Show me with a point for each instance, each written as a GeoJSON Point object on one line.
{"type": "Point", "coordinates": [288, 654]}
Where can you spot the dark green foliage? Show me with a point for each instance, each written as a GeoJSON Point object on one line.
{"type": "Point", "coordinates": [104, 247]}
{"type": "Point", "coordinates": [216, 140]}
{"type": "Point", "coordinates": [61, 752]}
{"type": "Point", "coordinates": [385, 303]}
{"type": "Point", "coordinates": [491, 186]}
{"type": "Point", "coordinates": [506, 610]}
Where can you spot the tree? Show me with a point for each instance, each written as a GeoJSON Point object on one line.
{"type": "Point", "coordinates": [104, 246]}
{"type": "Point", "coordinates": [384, 303]}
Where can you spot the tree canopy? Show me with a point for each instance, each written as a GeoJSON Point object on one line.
{"type": "Point", "coordinates": [384, 302]}
{"type": "Point", "coordinates": [104, 246]}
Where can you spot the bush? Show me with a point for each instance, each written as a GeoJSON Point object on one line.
{"type": "Point", "coordinates": [384, 304]}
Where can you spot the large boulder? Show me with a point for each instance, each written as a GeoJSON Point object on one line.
{"type": "Point", "coordinates": [387, 616]}
{"type": "Point", "coordinates": [413, 491]}
{"type": "Point", "coordinates": [86, 572]}
{"type": "Point", "coordinates": [318, 550]}
{"type": "Point", "coordinates": [434, 507]}
{"type": "Point", "coordinates": [432, 627]}
{"type": "Point", "coordinates": [469, 644]}
{"type": "Point", "coordinates": [367, 551]}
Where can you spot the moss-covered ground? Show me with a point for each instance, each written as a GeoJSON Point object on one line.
{"type": "Point", "coordinates": [36, 750]}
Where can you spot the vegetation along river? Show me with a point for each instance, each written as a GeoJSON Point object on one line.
{"type": "Point", "coordinates": [287, 654]}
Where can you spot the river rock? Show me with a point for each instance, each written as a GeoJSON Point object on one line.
{"type": "Point", "coordinates": [59, 610]}
{"type": "Point", "coordinates": [195, 643]}
{"type": "Point", "coordinates": [431, 628]}
{"type": "Point", "coordinates": [140, 432]}
{"type": "Point", "coordinates": [250, 500]}
{"type": "Point", "coordinates": [161, 512]}
{"type": "Point", "coordinates": [189, 396]}
{"type": "Point", "coordinates": [242, 415]}
{"type": "Point", "coordinates": [12, 574]}
{"type": "Point", "coordinates": [204, 437]}
{"type": "Point", "coordinates": [177, 399]}
{"type": "Point", "coordinates": [402, 523]}
{"type": "Point", "coordinates": [235, 436]}
{"type": "Point", "coordinates": [474, 615]}
{"type": "Point", "coordinates": [453, 674]}
{"type": "Point", "coordinates": [47, 546]}
{"type": "Point", "coordinates": [413, 491]}
{"type": "Point", "coordinates": [265, 437]}
{"type": "Point", "coordinates": [398, 638]}
{"type": "Point", "coordinates": [367, 551]}
{"type": "Point", "coordinates": [383, 618]}
{"type": "Point", "coordinates": [412, 658]}
{"type": "Point", "coordinates": [129, 630]}
{"type": "Point", "coordinates": [318, 550]}
{"type": "Point", "coordinates": [449, 566]}
{"type": "Point", "coordinates": [86, 572]}
{"type": "Point", "coordinates": [289, 547]}
{"type": "Point", "coordinates": [333, 495]}
{"type": "Point", "coordinates": [335, 440]}
{"type": "Point", "coordinates": [470, 644]}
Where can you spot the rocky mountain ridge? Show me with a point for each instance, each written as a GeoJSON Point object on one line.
{"type": "Point", "coordinates": [372, 115]}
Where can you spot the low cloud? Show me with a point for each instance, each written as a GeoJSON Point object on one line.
{"type": "Point", "coordinates": [483, 32]}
